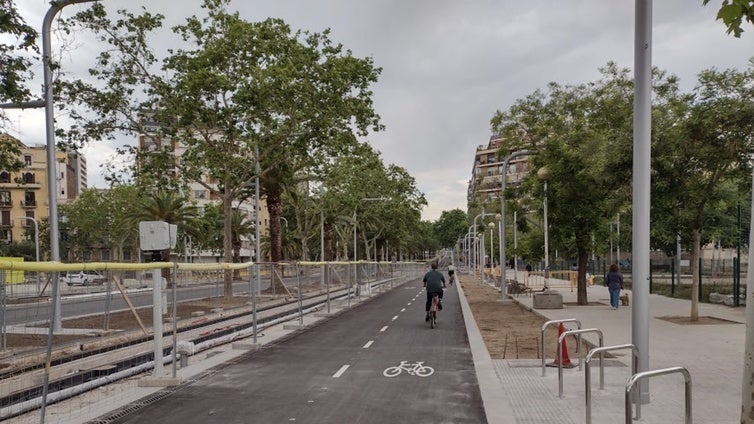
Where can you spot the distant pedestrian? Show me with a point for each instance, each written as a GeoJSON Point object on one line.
{"type": "Point", "coordinates": [614, 283]}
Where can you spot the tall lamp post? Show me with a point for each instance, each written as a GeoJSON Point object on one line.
{"type": "Point", "coordinates": [544, 175]}
{"type": "Point", "coordinates": [503, 295]}
{"type": "Point", "coordinates": [491, 226]}
{"type": "Point", "coordinates": [481, 252]}
{"type": "Point", "coordinates": [36, 241]}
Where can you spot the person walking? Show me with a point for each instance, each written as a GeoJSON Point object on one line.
{"type": "Point", "coordinates": [614, 283]}
{"type": "Point", "coordinates": [434, 282]}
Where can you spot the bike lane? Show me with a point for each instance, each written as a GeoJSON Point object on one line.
{"type": "Point", "coordinates": [334, 372]}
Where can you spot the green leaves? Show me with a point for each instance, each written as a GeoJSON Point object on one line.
{"type": "Point", "coordinates": [733, 13]}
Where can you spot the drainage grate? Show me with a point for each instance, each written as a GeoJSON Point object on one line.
{"type": "Point", "coordinates": [132, 407]}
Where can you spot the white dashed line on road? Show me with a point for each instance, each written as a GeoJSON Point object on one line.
{"type": "Point", "coordinates": [340, 371]}
{"type": "Point", "coordinates": [382, 330]}
{"type": "Point", "coordinates": [395, 317]}
{"type": "Point", "coordinates": [369, 343]}
{"type": "Point", "coordinates": [403, 309]}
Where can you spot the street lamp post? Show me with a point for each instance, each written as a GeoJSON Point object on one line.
{"type": "Point", "coordinates": [544, 175]}
{"type": "Point", "coordinates": [481, 252]}
{"type": "Point", "coordinates": [491, 225]}
{"type": "Point", "coordinates": [503, 295]}
{"type": "Point", "coordinates": [36, 242]}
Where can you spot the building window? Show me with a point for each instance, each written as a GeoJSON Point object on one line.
{"type": "Point", "coordinates": [200, 194]}
{"type": "Point", "coordinates": [27, 160]}
{"type": "Point", "coordinates": [28, 178]}
{"type": "Point", "coordinates": [106, 255]}
{"type": "Point", "coordinates": [5, 219]}
{"type": "Point", "coordinates": [126, 255]}
{"type": "Point", "coordinates": [6, 235]}
{"type": "Point", "coordinates": [5, 199]}
{"type": "Point", "coordinates": [87, 255]}
{"type": "Point", "coordinates": [4, 177]}
{"type": "Point", "coordinates": [30, 199]}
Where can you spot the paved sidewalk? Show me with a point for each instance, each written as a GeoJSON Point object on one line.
{"type": "Point", "coordinates": [514, 391]}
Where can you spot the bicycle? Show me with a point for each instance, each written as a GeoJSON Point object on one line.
{"type": "Point", "coordinates": [451, 279]}
{"type": "Point", "coordinates": [434, 307]}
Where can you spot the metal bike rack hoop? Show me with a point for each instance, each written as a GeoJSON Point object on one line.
{"type": "Point", "coordinates": [588, 375]}
{"type": "Point", "coordinates": [653, 373]}
{"type": "Point", "coordinates": [544, 327]}
{"type": "Point", "coordinates": [562, 337]}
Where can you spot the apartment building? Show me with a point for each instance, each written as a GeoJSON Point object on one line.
{"type": "Point", "coordinates": [24, 194]}
{"type": "Point", "coordinates": [486, 180]}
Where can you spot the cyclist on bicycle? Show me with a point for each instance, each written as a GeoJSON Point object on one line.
{"type": "Point", "coordinates": [451, 274]}
{"type": "Point", "coordinates": [434, 282]}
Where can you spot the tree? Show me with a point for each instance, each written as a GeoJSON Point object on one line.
{"type": "Point", "coordinates": [733, 13]}
{"type": "Point", "coordinates": [15, 69]}
{"type": "Point", "coordinates": [242, 92]}
{"type": "Point", "coordinates": [581, 135]}
{"type": "Point", "coordinates": [15, 65]}
{"type": "Point", "coordinates": [451, 226]}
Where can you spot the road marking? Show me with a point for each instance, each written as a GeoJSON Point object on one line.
{"type": "Point", "coordinates": [408, 304]}
{"type": "Point", "coordinates": [395, 317]}
{"type": "Point", "coordinates": [340, 371]}
{"type": "Point", "coordinates": [369, 343]}
{"type": "Point", "coordinates": [403, 310]}
{"type": "Point", "coordinates": [382, 330]}
{"type": "Point", "coordinates": [418, 369]}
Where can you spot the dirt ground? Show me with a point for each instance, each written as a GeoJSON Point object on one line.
{"type": "Point", "coordinates": [509, 330]}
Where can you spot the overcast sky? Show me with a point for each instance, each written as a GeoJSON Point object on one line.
{"type": "Point", "coordinates": [449, 65]}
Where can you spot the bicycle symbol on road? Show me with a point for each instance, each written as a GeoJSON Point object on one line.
{"type": "Point", "coordinates": [412, 369]}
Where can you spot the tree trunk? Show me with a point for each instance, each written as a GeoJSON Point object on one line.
{"type": "Point", "coordinates": [227, 242]}
{"type": "Point", "coordinates": [275, 209]}
{"type": "Point", "coordinates": [328, 242]}
{"type": "Point", "coordinates": [581, 296]}
{"type": "Point", "coordinates": [696, 242]}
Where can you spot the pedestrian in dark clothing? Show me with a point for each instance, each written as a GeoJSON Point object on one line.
{"type": "Point", "coordinates": [614, 283]}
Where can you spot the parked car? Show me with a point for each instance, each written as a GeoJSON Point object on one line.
{"type": "Point", "coordinates": [82, 278]}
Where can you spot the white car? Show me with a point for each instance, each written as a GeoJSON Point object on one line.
{"type": "Point", "coordinates": [82, 278]}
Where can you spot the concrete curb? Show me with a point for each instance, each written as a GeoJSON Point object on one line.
{"type": "Point", "coordinates": [497, 408]}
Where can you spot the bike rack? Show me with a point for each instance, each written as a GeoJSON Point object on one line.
{"type": "Point", "coordinates": [588, 375]}
{"type": "Point", "coordinates": [639, 376]}
{"type": "Point", "coordinates": [562, 337]}
{"type": "Point", "coordinates": [544, 327]}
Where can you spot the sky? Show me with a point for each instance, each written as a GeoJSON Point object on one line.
{"type": "Point", "coordinates": [447, 65]}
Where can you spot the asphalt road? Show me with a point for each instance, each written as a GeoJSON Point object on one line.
{"type": "Point", "coordinates": [334, 372]}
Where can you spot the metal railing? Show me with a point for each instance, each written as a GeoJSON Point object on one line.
{"type": "Point", "coordinates": [544, 327]}
{"type": "Point", "coordinates": [562, 337]}
{"type": "Point", "coordinates": [646, 374]}
{"type": "Point", "coordinates": [588, 374]}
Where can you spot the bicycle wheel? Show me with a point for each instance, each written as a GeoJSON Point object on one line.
{"type": "Point", "coordinates": [391, 372]}
{"type": "Point", "coordinates": [432, 319]}
{"type": "Point", "coordinates": [424, 371]}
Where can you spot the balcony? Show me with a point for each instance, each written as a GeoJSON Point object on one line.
{"type": "Point", "coordinates": [28, 203]}
{"type": "Point", "coordinates": [6, 204]}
